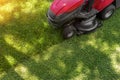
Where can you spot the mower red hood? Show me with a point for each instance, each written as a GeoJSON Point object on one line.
{"type": "Point", "coordinates": [59, 7]}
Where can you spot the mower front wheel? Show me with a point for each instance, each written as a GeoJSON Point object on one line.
{"type": "Point", "coordinates": [107, 12]}
{"type": "Point", "coordinates": [68, 32]}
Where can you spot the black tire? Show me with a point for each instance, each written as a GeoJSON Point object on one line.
{"type": "Point", "coordinates": [107, 12]}
{"type": "Point", "coordinates": [68, 32]}
{"type": "Point", "coordinates": [97, 24]}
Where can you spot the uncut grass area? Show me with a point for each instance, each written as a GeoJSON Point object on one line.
{"type": "Point", "coordinates": [30, 49]}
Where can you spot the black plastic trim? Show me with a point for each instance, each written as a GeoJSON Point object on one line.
{"type": "Point", "coordinates": [117, 3]}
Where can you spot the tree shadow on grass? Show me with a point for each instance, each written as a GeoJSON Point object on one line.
{"type": "Point", "coordinates": [5, 66]}
{"type": "Point", "coordinates": [32, 27]}
{"type": "Point", "coordinates": [25, 27]}
{"type": "Point", "coordinates": [68, 63]}
{"type": "Point", "coordinates": [29, 35]}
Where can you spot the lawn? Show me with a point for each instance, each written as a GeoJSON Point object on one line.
{"type": "Point", "coordinates": [30, 49]}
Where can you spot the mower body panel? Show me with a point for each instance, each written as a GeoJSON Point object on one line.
{"type": "Point", "coordinates": [62, 12]}
{"type": "Point", "coordinates": [59, 7]}
{"type": "Point", "coordinates": [58, 21]}
{"type": "Point", "coordinates": [102, 4]}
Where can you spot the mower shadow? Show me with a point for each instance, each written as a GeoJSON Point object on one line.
{"type": "Point", "coordinates": [66, 60]}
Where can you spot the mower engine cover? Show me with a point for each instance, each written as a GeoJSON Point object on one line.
{"type": "Point", "coordinates": [64, 6]}
{"type": "Point", "coordinates": [63, 10]}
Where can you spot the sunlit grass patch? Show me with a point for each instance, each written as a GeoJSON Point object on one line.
{"type": "Point", "coordinates": [2, 75]}
{"type": "Point", "coordinates": [10, 60]}
{"type": "Point", "coordinates": [13, 9]}
{"type": "Point", "coordinates": [3, 2]}
{"type": "Point", "coordinates": [115, 57]}
{"type": "Point", "coordinates": [17, 44]}
{"type": "Point", "coordinates": [29, 6]}
{"type": "Point", "coordinates": [6, 12]}
{"type": "Point", "coordinates": [25, 73]}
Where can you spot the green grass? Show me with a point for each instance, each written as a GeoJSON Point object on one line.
{"type": "Point", "coordinates": [30, 49]}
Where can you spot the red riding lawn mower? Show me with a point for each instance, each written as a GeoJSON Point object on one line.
{"type": "Point", "coordinates": [73, 16]}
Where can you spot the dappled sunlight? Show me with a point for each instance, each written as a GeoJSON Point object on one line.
{"type": "Point", "coordinates": [41, 40]}
{"type": "Point", "coordinates": [78, 70]}
{"type": "Point", "coordinates": [2, 2]}
{"type": "Point", "coordinates": [45, 24]}
{"type": "Point", "coordinates": [98, 43]}
{"type": "Point", "coordinates": [80, 77]}
{"type": "Point", "coordinates": [61, 64]}
{"type": "Point", "coordinates": [43, 5]}
{"type": "Point", "coordinates": [7, 8]}
{"type": "Point", "coordinates": [105, 47]}
{"type": "Point", "coordinates": [48, 55]}
{"type": "Point", "coordinates": [11, 60]}
{"type": "Point", "coordinates": [21, 46]}
{"type": "Point", "coordinates": [115, 63]}
{"type": "Point", "coordinates": [118, 48]}
{"type": "Point", "coordinates": [113, 50]}
{"type": "Point", "coordinates": [25, 73]}
{"type": "Point", "coordinates": [70, 52]}
{"type": "Point", "coordinates": [2, 75]}
{"type": "Point", "coordinates": [56, 48]}
{"type": "Point", "coordinates": [36, 58]}
{"type": "Point", "coordinates": [29, 6]}
{"type": "Point", "coordinates": [79, 67]}
{"type": "Point", "coordinates": [115, 57]}
{"type": "Point", "coordinates": [84, 72]}
{"type": "Point", "coordinates": [10, 9]}
{"type": "Point", "coordinates": [115, 33]}
{"type": "Point", "coordinates": [6, 11]}
{"type": "Point", "coordinates": [32, 50]}
{"type": "Point", "coordinates": [92, 42]}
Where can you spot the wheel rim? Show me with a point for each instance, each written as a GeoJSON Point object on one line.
{"type": "Point", "coordinates": [109, 13]}
{"type": "Point", "coordinates": [70, 34]}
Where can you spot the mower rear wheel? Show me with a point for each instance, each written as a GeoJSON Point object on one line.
{"type": "Point", "coordinates": [68, 32]}
{"type": "Point", "coordinates": [107, 12]}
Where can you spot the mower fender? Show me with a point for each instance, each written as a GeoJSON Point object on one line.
{"type": "Point", "coordinates": [102, 4]}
